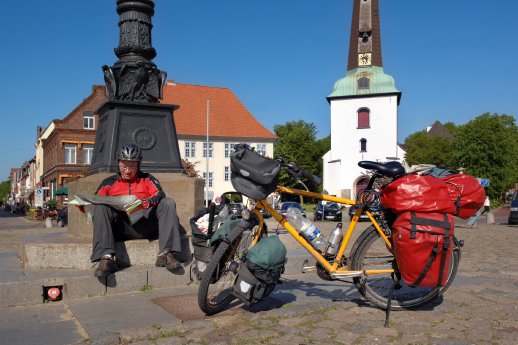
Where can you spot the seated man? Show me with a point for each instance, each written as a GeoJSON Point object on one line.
{"type": "Point", "coordinates": [160, 219]}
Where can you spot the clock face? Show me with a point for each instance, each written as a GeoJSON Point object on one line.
{"type": "Point", "coordinates": [364, 59]}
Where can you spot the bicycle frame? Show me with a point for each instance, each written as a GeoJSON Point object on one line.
{"type": "Point", "coordinates": [332, 268]}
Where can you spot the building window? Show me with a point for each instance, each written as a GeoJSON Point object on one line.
{"type": "Point", "coordinates": [227, 174]}
{"type": "Point", "coordinates": [363, 145]}
{"type": "Point", "coordinates": [209, 180]}
{"type": "Point", "coordinates": [363, 83]}
{"type": "Point", "coordinates": [70, 153]}
{"type": "Point", "coordinates": [190, 149]}
{"type": "Point", "coordinates": [88, 120]}
{"type": "Point", "coordinates": [363, 118]}
{"type": "Point", "coordinates": [261, 149]}
{"type": "Point", "coordinates": [229, 149]}
{"type": "Point", "coordinates": [205, 149]}
{"type": "Point", "coordinates": [88, 152]}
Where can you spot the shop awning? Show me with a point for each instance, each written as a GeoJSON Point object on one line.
{"type": "Point", "coordinates": [62, 191]}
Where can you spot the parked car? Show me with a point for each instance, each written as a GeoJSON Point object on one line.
{"type": "Point", "coordinates": [352, 211]}
{"type": "Point", "coordinates": [286, 205]}
{"type": "Point", "coordinates": [332, 211]}
{"type": "Point", "coordinates": [513, 214]}
{"type": "Point", "coordinates": [363, 216]}
{"type": "Point", "coordinates": [63, 217]}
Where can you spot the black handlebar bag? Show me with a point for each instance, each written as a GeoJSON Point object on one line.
{"type": "Point", "coordinates": [253, 175]}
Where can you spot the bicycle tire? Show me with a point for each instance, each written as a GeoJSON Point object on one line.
{"type": "Point", "coordinates": [370, 252]}
{"type": "Point", "coordinates": [215, 291]}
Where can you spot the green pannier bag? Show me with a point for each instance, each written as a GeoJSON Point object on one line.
{"type": "Point", "coordinates": [261, 270]}
{"type": "Point", "coordinates": [223, 230]}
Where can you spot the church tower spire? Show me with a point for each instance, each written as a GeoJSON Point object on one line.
{"type": "Point", "coordinates": [365, 75]}
{"type": "Point", "coordinates": [365, 42]}
{"type": "Point", "coordinates": [363, 107]}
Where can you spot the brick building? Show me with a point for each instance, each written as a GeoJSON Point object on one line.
{"type": "Point", "coordinates": [68, 149]}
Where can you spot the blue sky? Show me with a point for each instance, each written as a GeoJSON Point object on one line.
{"type": "Point", "coordinates": [452, 60]}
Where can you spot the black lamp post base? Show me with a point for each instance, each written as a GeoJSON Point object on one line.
{"type": "Point", "coordinates": [150, 126]}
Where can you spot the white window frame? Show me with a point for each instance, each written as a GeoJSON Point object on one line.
{"type": "Point", "coordinates": [88, 120]}
{"type": "Point", "coordinates": [70, 153]}
{"type": "Point", "coordinates": [261, 149]}
{"type": "Point", "coordinates": [211, 179]}
{"type": "Point", "coordinates": [190, 149]}
{"type": "Point", "coordinates": [88, 153]}
{"type": "Point", "coordinates": [211, 149]}
{"type": "Point", "coordinates": [229, 149]}
{"type": "Point", "coordinates": [227, 174]}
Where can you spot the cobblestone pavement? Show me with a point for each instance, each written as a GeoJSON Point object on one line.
{"type": "Point", "coordinates": [479, 308]}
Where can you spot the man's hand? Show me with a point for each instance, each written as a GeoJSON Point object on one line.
{"type": "Point", "coordinates": [145, 203]}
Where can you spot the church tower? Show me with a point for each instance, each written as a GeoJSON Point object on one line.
{"type": "Point", "coordinates": [363, 107]}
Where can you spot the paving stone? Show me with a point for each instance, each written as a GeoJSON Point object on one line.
{"type": "Point", "coordinates": [346, 337]}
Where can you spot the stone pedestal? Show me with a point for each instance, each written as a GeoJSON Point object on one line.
{"type": "Point", "coordinates": [149, 126]}
{"type": "Point", "coordinates": [186, 191]}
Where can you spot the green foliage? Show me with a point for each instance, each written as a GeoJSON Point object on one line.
{"type": "Point", "coordinates": [425, 149]}
{"type": "Point", "coordinates": [5, 189]}
{"type": "Point", "coordinates": [146, 288]}
{"type": "Point", "coordinates": [487, 147]}
{"type": "Point", "coordinates": [51, 204]}
{"type": "Point", "coordinates": [298, 144]}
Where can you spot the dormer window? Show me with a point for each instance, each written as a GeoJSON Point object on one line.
{"type": "Point", "coordinates": [363, 83]}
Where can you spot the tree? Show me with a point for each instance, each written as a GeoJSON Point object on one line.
{"type": "Point", "coordinates": [5, 189]}
{"type": "Point", "coordinates": [425, 149]}
{"type": "Point", "coordinates": [487, 147]}
{"type": "Point", "coordinates": [298, 144]}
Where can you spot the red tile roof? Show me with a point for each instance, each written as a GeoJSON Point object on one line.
{"type": "Point", "coordinates": [228, 116]}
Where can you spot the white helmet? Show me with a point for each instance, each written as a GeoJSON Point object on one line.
{"type": "Point", "coordinates": [130, 153]}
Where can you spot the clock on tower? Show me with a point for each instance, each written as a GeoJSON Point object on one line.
{"type": "Point", "coordinates": [364, 59]}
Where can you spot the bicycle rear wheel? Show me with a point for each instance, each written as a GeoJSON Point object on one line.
{"type": "Point", "coordinates": [215, 291]}
{"type": "Point", "coordinates": [370, 252]}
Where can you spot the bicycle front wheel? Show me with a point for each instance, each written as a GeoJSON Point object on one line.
{"type": "Point", "coordinates": [215, 291]}
{"type": "Point", "coordinates": [369, 253]}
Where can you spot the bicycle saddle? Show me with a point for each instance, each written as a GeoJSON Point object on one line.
{"type": "Point", "coordinates": [390, 169]}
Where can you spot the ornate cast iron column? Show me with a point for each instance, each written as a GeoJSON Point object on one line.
{"type": "Point", "coordinates": [135, 77]}
{"type": "Point", "coordinates": [134, 85]}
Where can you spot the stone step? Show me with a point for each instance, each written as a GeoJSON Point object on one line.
{"type": "Point", "coordinates": [61, 260]}
{"type": "Point", "coordinates": [62, 250]}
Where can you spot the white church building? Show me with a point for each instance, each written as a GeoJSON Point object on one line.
{"type": "Point", "coordinates": [363, 107]}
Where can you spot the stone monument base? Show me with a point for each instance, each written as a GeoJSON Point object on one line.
{"type": "Point", "coordinates": [186, 191]}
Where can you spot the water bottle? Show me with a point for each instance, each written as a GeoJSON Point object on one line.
{"type": "Point", "coordinates": [307, 229]}
{"type": "Point", "coordinates": [334, 240]}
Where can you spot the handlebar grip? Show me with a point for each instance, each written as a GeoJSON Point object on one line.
{"type": "Point", "coordinates": [313, 178]}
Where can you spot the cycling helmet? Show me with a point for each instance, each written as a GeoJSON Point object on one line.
{"type": "Point", "coordinates": [129, 153]}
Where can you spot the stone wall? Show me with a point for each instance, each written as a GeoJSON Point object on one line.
{"type": "Point", "coordinates": [186, 191]}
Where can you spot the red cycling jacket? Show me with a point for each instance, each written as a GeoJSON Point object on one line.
{"type": "Point", "coordinates": [144, 186]}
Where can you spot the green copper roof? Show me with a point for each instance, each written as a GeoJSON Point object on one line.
{"type": "Point", "coordinates": [378, 81]}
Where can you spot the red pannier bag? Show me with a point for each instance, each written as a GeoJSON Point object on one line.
{"type": "Point", "coordinates": [423, 244]}
{"type": "Point", "coordinates": [417, 193]}
{"type": "Point", "coordinates": [467, 194]}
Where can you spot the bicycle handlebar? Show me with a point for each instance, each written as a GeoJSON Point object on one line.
{"type": "Point", "coordinates": [297, 172]}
